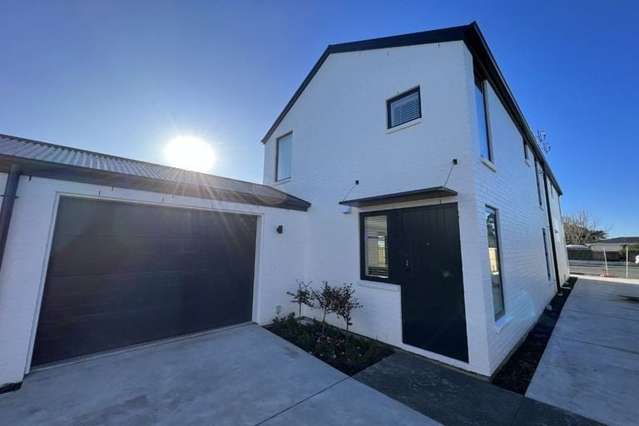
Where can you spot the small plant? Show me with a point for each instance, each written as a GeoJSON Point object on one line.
{"type": "Point", "coordinates": [345, 302]}
{"type": "Point", "coordinates": [325, 300]}
{"type": "Point", "coordinates": [302, 296]}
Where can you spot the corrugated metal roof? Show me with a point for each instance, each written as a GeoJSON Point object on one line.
{"type": "Point", "coordinates": [43, 153]}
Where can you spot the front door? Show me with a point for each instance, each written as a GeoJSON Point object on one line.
{"type": "Point", "coordinates": [433, 314]}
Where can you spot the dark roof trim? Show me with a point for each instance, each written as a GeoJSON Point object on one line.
{"type": "Point", "coordinates": [42, 159]}
{"type": "Point", "coordinates": [474, 40]}
{"type": "Point", "coordinates": [398, 197]}
{"type": "Point", "coordinates": [106, 178]}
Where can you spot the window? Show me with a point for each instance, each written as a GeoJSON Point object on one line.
{"type": "Point", "coordinates": [543, 231]}
{"type": "Point", "coordinates": [538, 173]}
{"type": "Point", "coordinates": [403, 108]}
{"type": "Point", "coordinates": [494, 260]}
{"type": "Point", "coordinates": [482, 120]}
{"type": "Point", "coordinates": [525, 148]}
{"type": "Point", "coordinates": [375, 243]}
{"type": "Point", "coordinates": [283, 157]}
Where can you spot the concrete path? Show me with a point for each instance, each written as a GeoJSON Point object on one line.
{"type": "Point", "coordinates": [591, 364]}
{"type": "Point", "coordinates": [455, 398]}
{"type": "Point", "coordinates": [239, 376]}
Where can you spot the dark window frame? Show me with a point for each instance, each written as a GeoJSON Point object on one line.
{"type": "Point", "coordinates": [538, 173]}
{"type": "Point", "coordinates": [277, 157]}
{"type": "Point", "coordinates": [502, 313]}
{"type": "Point", "coordinates": [545, 236]}
{"type": "Point", "coordinates": [525, 148]}
{"type": "Point", "coordinates": [390, 101]}
{"type": "Point", "coordinates": [362, 246]}
{"type": "Point", "coordinates": [481, 82]}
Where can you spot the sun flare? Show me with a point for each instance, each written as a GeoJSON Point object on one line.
{"type": "Point", "coordinates": [191, 153]}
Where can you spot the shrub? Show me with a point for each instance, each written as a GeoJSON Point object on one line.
{"type": "Point", "coordinates": [302, 296]}
{"type": "Point", "coordinates": [326, 300]}
{"type": "Point", "coordinates": [345, 302]}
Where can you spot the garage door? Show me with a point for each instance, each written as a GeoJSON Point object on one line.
{"type": "Point", "coordinates": [121, 274]}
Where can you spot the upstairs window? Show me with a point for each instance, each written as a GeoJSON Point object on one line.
{"type": "Point", "coordinates": [482, 120]}
{"type": "Point", "coordinates": [283, 157]}
{"type": "Point", "coordinates": [403, 108]}
{"type": "Point", "coordinates": [525, 148]}
{"type": "Point", "coordinates": [538, 175]}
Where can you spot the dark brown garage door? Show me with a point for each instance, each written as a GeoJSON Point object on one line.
{"type": "Point", "coordinates": [121, 274]}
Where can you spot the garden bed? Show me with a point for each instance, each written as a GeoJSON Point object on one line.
{"type": "Point", "coordinates": [345, 351]}
{"type": "Point", "coordinates": [517, 373]}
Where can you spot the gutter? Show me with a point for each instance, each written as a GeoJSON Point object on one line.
{"type": "Point", "coordinates": [8, 201]}
{"type": "Point", "coordinates": [552, 233]}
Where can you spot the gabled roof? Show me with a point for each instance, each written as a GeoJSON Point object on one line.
{"type": "Point", "coordinates": [43, 159]}
{"type": "Point", "coordinates": [474, 40]}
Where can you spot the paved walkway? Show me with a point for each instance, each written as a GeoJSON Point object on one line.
{"type": "Point", "coordinates": [239, 376]}
{"type": "Point", "coordinates": [591, 364]}
{"type": "Point", "coordinates": [455, 398]}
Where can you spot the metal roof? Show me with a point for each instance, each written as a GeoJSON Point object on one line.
{"type": "Point", "coordinates": [473, 38]}
{"type": "Point", "coordinates": [44, 159]}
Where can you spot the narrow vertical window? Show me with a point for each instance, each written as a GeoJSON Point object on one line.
{"type": "Point", "coordinates": [543, 231]}
{"type": "Point", "coordinates": [495, 264]}
{"type": "Point", "coordinates": [482, 120]}
{"type": "Point", "coordinates": [538, 173]}
{"type": "Point", "coordinates": [376, 246]}
{"type": "Point", "coordinates": [523, 141]}
{"type": "Point", "coordinates": [283, 157]}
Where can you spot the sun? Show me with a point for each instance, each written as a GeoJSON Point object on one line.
{"type": "Point", "coordinates": [191, 153]}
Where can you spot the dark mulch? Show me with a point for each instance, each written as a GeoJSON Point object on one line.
{"type": "Point", "coordinates": [517, 373]}
{"type": "Point", "coordinates": [348, 352]}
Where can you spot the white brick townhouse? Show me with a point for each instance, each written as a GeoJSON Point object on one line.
{"type": "Point", "coordinates": [428, 190]}
{"type": "Point", "coordinates": [401, 164]}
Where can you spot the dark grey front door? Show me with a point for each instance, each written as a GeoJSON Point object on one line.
{"type": "Point", "coordinates": [433, 314]}
{"type": "Point", "coordinates": [121, 274]}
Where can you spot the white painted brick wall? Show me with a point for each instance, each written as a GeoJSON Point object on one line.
{"type": "Point", "coordinates": [511, 188]}
{"type": "Point", "coordinates": [340, 135]}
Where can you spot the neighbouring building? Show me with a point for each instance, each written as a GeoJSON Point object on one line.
{"type": "Point", "coordinates": [402, 165]}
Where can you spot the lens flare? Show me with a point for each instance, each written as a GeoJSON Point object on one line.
{"type": "Point", "coordinates": [191, 153]}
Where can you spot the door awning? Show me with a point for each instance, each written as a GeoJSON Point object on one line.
{"type": "Point", "coordinates": [398, 197]}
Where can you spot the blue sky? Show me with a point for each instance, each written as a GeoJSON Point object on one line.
{"type": "Point", "coordinates": [125, 77]}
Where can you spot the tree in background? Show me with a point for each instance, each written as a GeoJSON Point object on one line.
{"type": "Point", "coordinates": [582, 229]}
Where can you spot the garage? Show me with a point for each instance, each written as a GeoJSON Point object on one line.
{"type": "Point", "coordinates": [122, 273]}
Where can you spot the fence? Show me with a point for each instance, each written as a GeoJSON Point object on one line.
{"type": "Point", "coordinates": [603, 268]}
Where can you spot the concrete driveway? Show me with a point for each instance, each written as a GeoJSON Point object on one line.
{"type": "Point", "coordinates": [239, 376]}
{"type": "Point", "coordinates": [591, 364]}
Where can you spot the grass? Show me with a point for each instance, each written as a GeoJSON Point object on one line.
{"type": "Point", "coordinates": [517, 373]}
{"type": "Point", "coordinates": [343, 350]}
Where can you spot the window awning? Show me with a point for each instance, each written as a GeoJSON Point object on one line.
{"type": "Point", "coordinates": [398, 197]}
